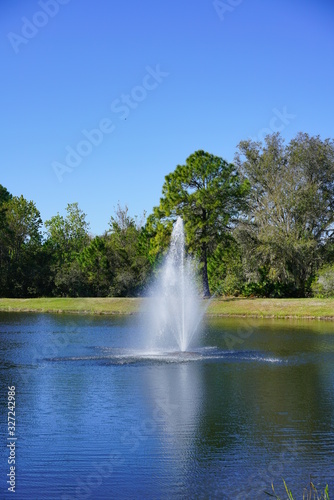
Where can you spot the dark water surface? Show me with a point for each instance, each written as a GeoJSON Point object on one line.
{"type": "Point", "coordinates": [95, 419]}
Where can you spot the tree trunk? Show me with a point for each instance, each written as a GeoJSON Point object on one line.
{"type": "Point", "coordinates": [206, 288]}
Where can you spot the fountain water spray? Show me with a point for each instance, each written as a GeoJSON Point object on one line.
{"type": "Point", "coordinates": [176, 308]}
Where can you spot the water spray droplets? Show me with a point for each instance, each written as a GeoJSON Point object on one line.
{"type": "Point", "coordinates": [176, 307]}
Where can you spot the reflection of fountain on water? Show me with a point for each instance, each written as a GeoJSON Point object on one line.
{"type": "Point", "coordinates": [176, 308]}
{"type": "Point", "coordinates": [173, 396]}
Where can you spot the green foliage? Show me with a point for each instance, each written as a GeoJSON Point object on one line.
{"type": "Point", "coordinates": [95, 263]}
{"type": "Point", "coordinates": [225, 269]}
{"type": "Point", "coordinates": [20, 246]}
{"type": "Point", "coordinates": [5, 196]}
{"type": "Point", "coordinates": [291, 206]}
{"type": "Point", "coordinates": [323, 285]}
{"type": "Point", "coordinates": [130, 260]}
{"type": "Point", "coordinates": [69, 280]}
{"type": "Point", "coordinates": [272, 289]}
{"type": "Point", "coordinates": [157, 232]}
{"type": "Point", "coordinates": [228, 276]}
{"type": "Point", "coordinates": [67, 237]}
{"type": "Point", "coordinates": [207, 193]}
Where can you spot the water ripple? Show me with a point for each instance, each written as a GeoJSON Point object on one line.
{"type": "Point", "coordinates": [124, 357]}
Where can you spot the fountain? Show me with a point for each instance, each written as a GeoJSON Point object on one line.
{"type": "Point", "coordinates": [176, 309]}
{"type": "Point", "coordinates": [169, 325]}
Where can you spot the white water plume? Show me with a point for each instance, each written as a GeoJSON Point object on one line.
{"type": "Point", "coordinates": [176, 309]}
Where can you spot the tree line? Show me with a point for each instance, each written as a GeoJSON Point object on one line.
{"type": "Point", "coordinates": [262, 226]}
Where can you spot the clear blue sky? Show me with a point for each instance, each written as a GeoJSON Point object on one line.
{"type": "Point", "coordinates": [227, 74]}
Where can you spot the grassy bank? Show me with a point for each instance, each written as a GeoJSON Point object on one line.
{"type": "Point", "coordinates": [69, 305]}
{"type": "Point", "coordinates": [261, 308]}
{"type": "Point", "coordinates": [274, 308]}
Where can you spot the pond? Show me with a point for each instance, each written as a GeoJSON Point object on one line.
{"type": "Point", "coordinates": [251, 403]}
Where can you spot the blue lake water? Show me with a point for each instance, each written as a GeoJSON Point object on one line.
{"type": "Point", "coordinates": [97, 417]}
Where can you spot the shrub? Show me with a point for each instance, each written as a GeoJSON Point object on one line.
{"type": "Point", "coordinates": [323, 285]}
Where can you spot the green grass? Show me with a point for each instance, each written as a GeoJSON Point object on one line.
{"type": "Point", "coordinates": [274, 308]}
{"type": "Point", "coordinates": [309, 494]}
{"type": "Point", "coordinates": [233, 307]}
{"type": "Point", "coordinates": [90, 305]}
